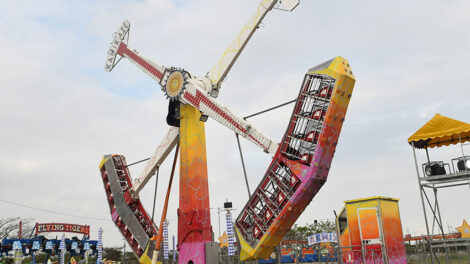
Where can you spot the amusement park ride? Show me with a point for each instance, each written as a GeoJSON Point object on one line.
{"type": "Point", "coordinates": [36, 242]}
{"type": "Point", "coordinates": [298, 170]}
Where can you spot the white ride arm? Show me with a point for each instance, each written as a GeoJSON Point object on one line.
{"type": "Point", "coordinates": [118, 47]}
{"type": "Point", "coordinates": [219, 71]}
{"type": "Point", "coordinates": [166, 146]}
{"type": "Point", "coordinates": [208, 105]}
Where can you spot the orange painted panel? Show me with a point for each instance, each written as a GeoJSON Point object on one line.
{"type": "Point", "coordinates": [393, 233]}
{"type": "Point", "coordinates": [369, 224]}
{"type": "Point", "coordinates": [344, 239]}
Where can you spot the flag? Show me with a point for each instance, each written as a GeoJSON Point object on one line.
{"type": "Point", "coordinates": [223, 240]}
{"type": "Point", "coordinates": [99, 260]}
{"type": "Point", "coordinates": [230, 234]}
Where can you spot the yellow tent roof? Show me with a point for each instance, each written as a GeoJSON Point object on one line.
{"type": "Point", "coordinates": [440, 131]}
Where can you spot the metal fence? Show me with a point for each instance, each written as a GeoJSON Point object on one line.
{"type": "Point", "coordinates": [443, 251]}
{"type": "Point", "coordinates": [439, 251]}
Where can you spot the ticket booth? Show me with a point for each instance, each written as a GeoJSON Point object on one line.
{"type": "Point", "coordinates": [370, 231]}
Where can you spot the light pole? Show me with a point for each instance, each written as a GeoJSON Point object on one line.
{"type": "Point", "coordinates": [218, 212]}
{"type": "Point", "coordinates": [124, 251]}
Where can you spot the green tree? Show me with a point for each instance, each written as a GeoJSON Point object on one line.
{"type": "Point", "coordinates": [302, 232]}
{"type": "Point", "coordinates": [9, 227]}
{"type": "Point", "coordinates": [131, 258]}
{"type": "Point", "coordinates": [112, 253]}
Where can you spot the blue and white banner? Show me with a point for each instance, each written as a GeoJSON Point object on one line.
{"type": "Point", "coordinates": [86, 246]}
{"type": "Point", "coordinates": [62, 242]}
{"type": "Point", "coordinates": [99, 260]}
{"type": "Point", "coordinates": [174, 251]}
{"type": "Point", "coordinates": [165, 239]}
{"type": "Point", "coordinates": [74, 245]}
{"type": "Point", "coordinates": [230, 234]}
{"type": "Point", "coordinates": [62, 249]}
{"type": "Point", "coordinates": [322, 238]}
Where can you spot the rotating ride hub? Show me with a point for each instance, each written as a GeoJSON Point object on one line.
{"type": "Point", "coordinates": [173, 82]}
{"type": "Point", "coordinates": [298, 170]}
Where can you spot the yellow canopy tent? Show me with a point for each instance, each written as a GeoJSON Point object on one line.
{"type": "Point", "coordinates": [440, 131]}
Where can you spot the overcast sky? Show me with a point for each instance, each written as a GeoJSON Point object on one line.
{"type": "Point", "coordinates": [60, 111]}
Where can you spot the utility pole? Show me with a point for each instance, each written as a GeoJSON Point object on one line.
{"type": "Point", "coordinates": [218, 212]}
{"type": "Point", "coordinates": [124, 251]}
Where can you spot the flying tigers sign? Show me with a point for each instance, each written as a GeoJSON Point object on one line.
{"type": "Point", "coordinates": [58, 227]}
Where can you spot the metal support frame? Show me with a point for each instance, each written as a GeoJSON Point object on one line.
{"type": "Point", "coordinates": [155, 194]}
{"type": "Point", "coordinates": [420, 187]}
{"type": "Point", "coordinates": [435, 183]}
{"type": "Point", "coordinates": [243, 166]}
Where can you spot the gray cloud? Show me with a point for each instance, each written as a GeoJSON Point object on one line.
{"type": "Point", "coordinates": [60, 111]}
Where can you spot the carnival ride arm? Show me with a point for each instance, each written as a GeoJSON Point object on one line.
{"type": "Point", "coordinates": [166, 146]}
{"type": "Point", "coordinates": [118, 47]}
{"type": "Point", "coordinates": [220, 70]}
{"type": "Point", "coordinates": [196, 97]}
